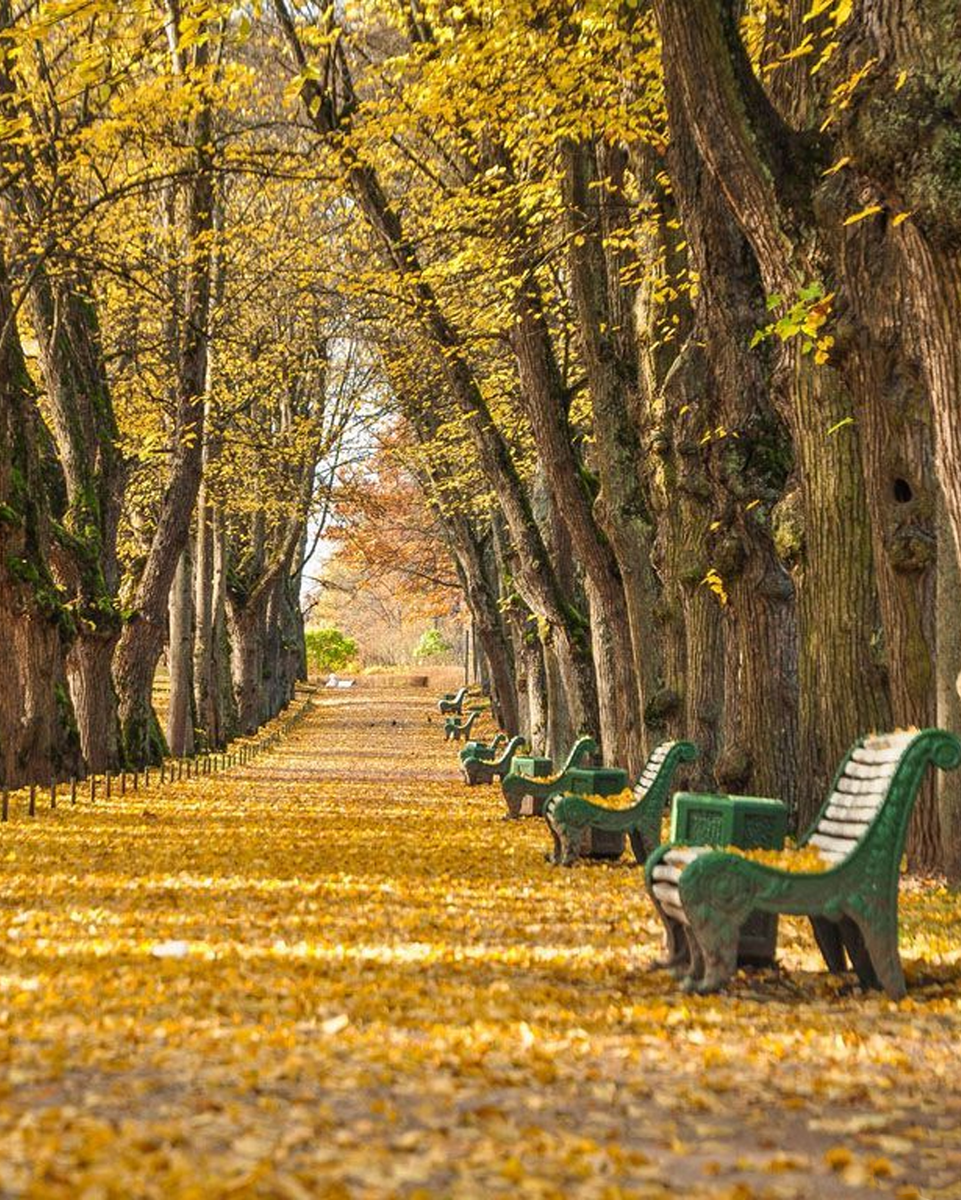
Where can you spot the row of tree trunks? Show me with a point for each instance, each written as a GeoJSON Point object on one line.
{"type": "Point", "coordinates": [143, 638]}
{"type": "Point", "coordinates": [536, 578]}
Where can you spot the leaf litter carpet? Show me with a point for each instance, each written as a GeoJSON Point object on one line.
{"type": "Point", "coordinates": [338, 972]}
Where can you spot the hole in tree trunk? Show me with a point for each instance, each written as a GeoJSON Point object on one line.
{"type": "Point", "coordinates": [902, 491]}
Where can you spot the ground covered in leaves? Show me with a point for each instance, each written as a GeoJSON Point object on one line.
{"type": "Point", "coordinates": [338, 972]}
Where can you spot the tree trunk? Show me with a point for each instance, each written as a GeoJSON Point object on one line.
{"type": "Point", "coordinates": [747, 453]}
{"type": "Point", "coordinates": [204, 674]}
{"type": "Point", "coordinates": [247, 634]}
{"type": "Point", "coordinates": [949, 701]}
{"type": "Point", "coordinates": [608, 345]}
{"type": "Point", "coordinates": [180, 715]}
{"type": "Point", "coordinates": [38, 736]}
{"type": "Point", "coordinates": [90, 677]}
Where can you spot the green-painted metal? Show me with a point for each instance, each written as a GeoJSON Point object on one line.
{"type": "Point", "coordinates": [478, 770]}
{"type": "Point", "coordinates": [853, 905]}
{"type": "Point", "coordinates": [527, 793]}
{"type": "Point", "coordinates": [452, 702]}
{"type": "Point", "coordinates": [457, 729]}
{"type": "Point", "coordinates": [575, 821]}
{"type": "Point", "coordinates": [749, 822]}
{"type": "Point", "coordinates": [482, 750]}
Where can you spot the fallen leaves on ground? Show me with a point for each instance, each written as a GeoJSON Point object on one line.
{"type": "Point", "coordinates": [339, 972]}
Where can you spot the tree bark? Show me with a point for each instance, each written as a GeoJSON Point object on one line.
{"type": "Point", "coordinates": [747, 458]}
{"type": "Point", "coordinates": [180, 715]}
{"type": "Point", "coordinates": [766, 174]}
{"type": "Point", "coordinates": [38, 735]}
{"type": "Point", "coordinates": [949, 701]}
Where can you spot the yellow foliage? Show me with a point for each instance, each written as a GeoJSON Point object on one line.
{"type": "Point", "coordinates": [337, 972]}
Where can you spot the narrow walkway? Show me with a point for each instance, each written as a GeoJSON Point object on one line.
{"type": "Point", "coordinates": [340, 973]}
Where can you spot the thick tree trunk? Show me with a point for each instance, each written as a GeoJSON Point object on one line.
{"type": "Point", "coordinates": [180, 714]}
{"type": "Point", "coordinates": [85, 557]}
{"type": "Point", "coordinates": [38, 737]}
{"type": "Point", "coordinates": [949, 701]}
{"type": "Point", "coordinates": [90, 677]}
{"type": "Point", "coordinates": [246, 625]}
{"type": "Point", "coordinates": [608, 344]}
{"type": "Point", "coordinates": [685, 517]}
{"type": "Point", "coordinates": [748, 456]}
{"type": "Point", "coordinates": [204, 674]}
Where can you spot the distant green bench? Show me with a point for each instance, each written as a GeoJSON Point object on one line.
{"type": "Point", "coordinates": [705, 895]}
{"type": "Point", "coordinates": [526, 794]}
{"type": "Point", "coordinates": [452, 702]}
{"type": "Point", "coordinates": [458, 729]}
{"type": "Point", "coordinates": [573, 819]}
{"type": "Point", "coordinates": [483, 750]}
{"type": "Point", "coordinates": [479, 770]}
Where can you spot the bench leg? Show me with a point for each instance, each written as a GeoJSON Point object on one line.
{"type": "Point", "coordinates": [830, 942]}
{"type": "Point", "coordinates": [513, 807]}
{"type": "Point", "coordinates": [564, 853]}
{"type": "Point", "coordinates": [678, 959]}
{"type": "Point", "coordinates": [879, 965]}
{"type": "Point", "coordinates": [719, 959]}
{"type": "Point", "coordinates": [639, 846]}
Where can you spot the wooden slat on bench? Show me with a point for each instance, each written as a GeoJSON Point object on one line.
{"type": "Point", "coordinates": [668, 896]}
{"type": "Point", "coordinates": [856, 770]}
{"type": "Point", "coordinates": [833, 848]}
{"type": "Point", "coordinates": [861, 787]}
{"type": "Point", "coordinates": [846, 829]}
{"type": "Point", "coordinates": [877, 757]}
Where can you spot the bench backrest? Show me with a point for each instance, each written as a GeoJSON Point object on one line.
{"type": "Point", "coordinates": [582, 747]}
{"type": "Point", "coordinates": [652, 768]}
{"type": "Point", "coordinates": [512, 747]}
{"type": "Point", "coordinates": [880, 775]}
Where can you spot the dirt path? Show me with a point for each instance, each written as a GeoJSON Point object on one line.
{"type": "Point", "coordinates": [340, 973]}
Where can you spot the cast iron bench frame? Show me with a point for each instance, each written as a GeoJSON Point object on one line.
{"type": "Point", "coordinates": [705, 895]}
{"type": "Point", "coordinates": [569, 817]}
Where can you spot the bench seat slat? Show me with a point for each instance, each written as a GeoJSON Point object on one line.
{"type": "Point", "coordinates": [670, 900]}
{"type": "Point", "coordinates": [684, 854]}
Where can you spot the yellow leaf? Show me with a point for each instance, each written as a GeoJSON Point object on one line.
{"type": "Point", "coordinates": [842, 162]}
{"type": "Point", "coordinates": [900, 218]}
{"type": "Point", "coordinates": [838, 1157]}
{"type": "Point", "coordinates": [860, 216]}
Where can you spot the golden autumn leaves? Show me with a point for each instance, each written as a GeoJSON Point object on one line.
{"type": "Point", "coordinates": [338, 972]}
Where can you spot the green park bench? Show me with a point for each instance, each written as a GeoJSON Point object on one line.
{"type": "Point", "coordinates": [457, 728]}
{"type": "Point", "coordinates": [530, 781]}
{"type": "Point", "coordinates": [845, 881]}
{"type": "Point", "coordinates": [575, 820]}
{"type": "Point", "coordinates": [479, 770]}
{"type": "Point", "coordinates": [485, 751]}
{"type": "Point", "coordinates": [452, 702]}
